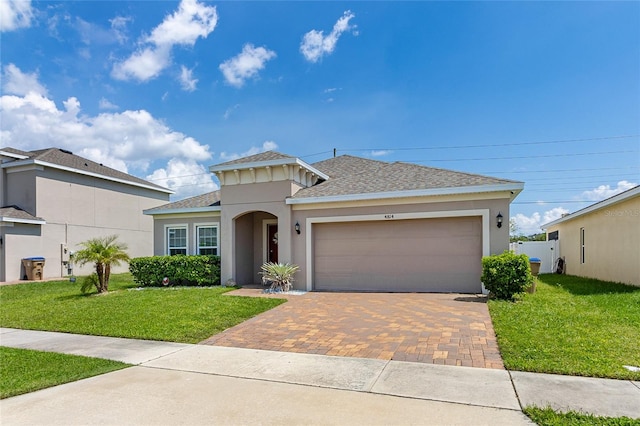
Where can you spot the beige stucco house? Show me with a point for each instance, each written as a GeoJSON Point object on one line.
{"type": "Point", "coordinates": [602, 241]}
{"type": "Point", "coordinates": [51, 200]}
{"type": "Point", "coordinates": [350, 223]}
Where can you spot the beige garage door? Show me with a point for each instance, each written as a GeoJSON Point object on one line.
{"type": "Point", "coordinates": [417, 255]}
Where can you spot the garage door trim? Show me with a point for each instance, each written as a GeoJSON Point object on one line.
{"type": "Point", "coordinates": [483, 213]}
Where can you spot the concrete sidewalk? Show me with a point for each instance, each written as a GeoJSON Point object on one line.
{"type": "Point", "coordinates": [195, 384]}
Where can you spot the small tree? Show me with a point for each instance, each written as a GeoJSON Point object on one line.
{"type": "Point", "coordinates": [103, 252]}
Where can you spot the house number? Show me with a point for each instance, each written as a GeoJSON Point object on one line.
{"type": "Point", "coordinates": [388, 216]}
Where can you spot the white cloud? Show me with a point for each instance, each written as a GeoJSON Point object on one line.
{"type": "Point", "coordinates": [187, 178]}
{"type": "Point", "coordinates": [380, 153]}
{"type": "Point", "coordinates": [315, 45]}
{"type": "Point", "coordinates": [605, 191]}
{"type": "Point", "coordinates": [529, 225]}
{"type": "Point", "coordinates": [15, 14]}
{"type": "Point", "coordinates": [191, 21]}
{"type": "Point", "coordinates": [187, 81]}
{"type": "Point", "coordinates": [15, 82]}
{"type": "Point", "coordinates": [106, 104]}
{"type": "Point", "coordinates": [246, 64]}
{"type": "Point", "coordinates": [266, 146]}
{"type": "Point", "coordinates": [122, 140]}
{"type": "Point", "coordinates": [230, 110]}
{"type": "Point", "coordinates": [119, 28]}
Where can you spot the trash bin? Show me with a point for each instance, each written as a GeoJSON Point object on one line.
{"type": "Point", "coordinates": [33, 267]}
{"type": "Point", "coordinates": [534, 262]}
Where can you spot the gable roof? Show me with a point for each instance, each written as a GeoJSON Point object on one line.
{"type": "Point", "coordinates": [65, 160]}
{"type": "Point", "coordinates": [17, 215]}
{"type": "Point", "coordinates": [257, 158]}
{"type": "Point", "coordinates": [354, 177]}
{"type": "Point", "coordinates": [264, 159]}
{"type": "Point", "coordinates": [623, 196]}
{"type": "Point", "coordinates": [207, 202]}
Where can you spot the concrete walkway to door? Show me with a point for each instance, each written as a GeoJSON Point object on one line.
{"type": "Point", "coordinates": [447, 329]}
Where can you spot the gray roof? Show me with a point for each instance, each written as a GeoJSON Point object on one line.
{"type": "Point", "coordinates": [64, 158]}
{"type": "Point", "coordinates": [210, 199]}
{"type": "Point", "coordinates": [15, 212]}
{"type": "Point", "coordinates": [263, 156]}
{"type": "Point", "coordinates": [350, 175]}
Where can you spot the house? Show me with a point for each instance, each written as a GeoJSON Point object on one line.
{"type": "Point", "coordinates": [602, 241]}
{"type": "Point", "coordinates": [51, 200]}
{"type": "Point", "coordinates": [350, 223]}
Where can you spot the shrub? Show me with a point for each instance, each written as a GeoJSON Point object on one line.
{"type": "Point", "coordinates": [179, 270]}
{"type": "Point", "coordinates": [280, 275]}
{"type": "Point", "coordinates": [506, 275]}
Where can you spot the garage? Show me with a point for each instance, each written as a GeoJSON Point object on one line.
{"type": "Point", "coordinates": [412, 255]}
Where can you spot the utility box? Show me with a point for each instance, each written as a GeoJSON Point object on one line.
{"type": "Point", "coordinates": [64, 252]}
{"type": "Point", "coordinates": [33, 268]}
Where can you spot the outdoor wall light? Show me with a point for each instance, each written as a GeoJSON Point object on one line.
{"type": "Point", "coordinates": [297, 228]}
{"type": "Point", "coordinates": [499, 220]}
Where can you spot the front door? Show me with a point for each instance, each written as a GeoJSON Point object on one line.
{"type": "Point", "coordinates": [272, 243]}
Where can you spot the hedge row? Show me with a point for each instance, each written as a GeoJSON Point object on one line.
{"type": "Point", "coordinates": [178, 270]}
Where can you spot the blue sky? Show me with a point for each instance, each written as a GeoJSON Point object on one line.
{"type": "Point", "coordinates": [543, 92]}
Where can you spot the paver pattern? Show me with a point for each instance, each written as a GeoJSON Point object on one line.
{"type": "Point", "coordinates": [448, 329]}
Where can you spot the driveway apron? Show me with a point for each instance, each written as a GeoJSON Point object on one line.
{"type": "Point", "coordinates": [447, 329]}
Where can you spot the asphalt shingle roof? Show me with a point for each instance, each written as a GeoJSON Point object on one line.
{"type": "Point", "coordinates": [263, 156]}
{"type": "Point", "coordinates": [15, 212]}
{"type": "Point", "coordinates": [65, 158]}
{"type": "Point", "coordinates": [209, 199]}
{"type": "Point", "coordinates": [350, 175]}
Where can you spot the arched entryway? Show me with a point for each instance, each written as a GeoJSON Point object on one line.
{"type": "Point", "coordinates": [255, 241]}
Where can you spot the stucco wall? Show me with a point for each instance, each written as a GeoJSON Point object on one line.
{"type": "Point", "coordinates": [611, 243]}
{"type": "Point", "coordinates": [190, 221]}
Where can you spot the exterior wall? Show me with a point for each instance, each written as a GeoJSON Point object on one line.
{"type": "Point", "coordinates": [611, 243]}
{"type": "Point", "coordinates": [498, 238]}
{"type": "Point", "coordinates": [236, 202]}
{"type": "Point", "coordinates": [191, 220]}
{"type": "Point", "coordinates": [75, 208]}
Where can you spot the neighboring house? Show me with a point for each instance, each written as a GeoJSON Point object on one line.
{"type": "Point", "coordinates": [350, 223]}
{"type": "Point", "coordinates": [602, 241]}
{"type": "Point", "coordinates": [51, 200]}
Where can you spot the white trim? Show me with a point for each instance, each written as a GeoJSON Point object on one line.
{"type": "Point", "coordinates": [197, 239]}
{"type": "Point", "coordinates": [484, 213]}
{"type": "Point", "coordinates": [623, 196]}
{"type": "Point", "coordinates": [513, 187]}
{"type": "Point", "coordinates": [267, 163]}
{"type": "Point", "coordinates": [86, 173]}
{"type": "Point", "coordinates": [27, 221]}
{"type": "Point", "coordinates": [13, 155]}
{"type": "Point", "coordinates": [265, 237]}
{"type": "Point", "coordinates": [166, 239]}
{"type": "Point", "coordinates": [182, 211]}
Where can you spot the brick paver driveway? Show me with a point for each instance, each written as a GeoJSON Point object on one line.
{"type": "Point", "coordinates": [451, 329]}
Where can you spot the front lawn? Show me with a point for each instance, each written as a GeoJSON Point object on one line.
{"type": "Point", "coordinates": [185, 314]}
{"type": "Point", "coordinates": [549, 417]}
{"type": "Point", "coordinates": [23, 370]}
{"type": "Point", "coordinates": [573, 326]}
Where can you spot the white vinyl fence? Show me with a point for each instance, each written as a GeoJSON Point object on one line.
{"type": "Point", "coordinates": [546, 251]}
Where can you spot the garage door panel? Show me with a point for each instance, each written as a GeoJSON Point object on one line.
{"type": "Point", "coordinates": [438, 255]}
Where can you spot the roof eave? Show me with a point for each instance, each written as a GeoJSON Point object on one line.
{"type": "Point", "coordinates": [597, 206]}
{"type": "Point", "coordinates": [207, 209]}
{"type": "Point", "coordinates": [513, 188]}
{"type": "Point", "coordinates": [270, 163]}
{"type": "Point", "coordinates": [83, 172]}
{"type": "Point", "coordinates": [27, 221]}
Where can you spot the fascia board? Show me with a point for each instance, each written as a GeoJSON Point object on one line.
{"type": "Point", "coordinates": [514, 187]}
{"type": "Point", "coordinates": [13, 155]}
{"type": "Point", "coordinates": [85, 173]}
{"type": "Point", "coordinates": [270, 163]}
{"type": "Point", "coordinates": [182, 211]}
{"type": "Point", "coordinates": [27, 221]}
{"type": "Point", "coordinates": [597, 206]}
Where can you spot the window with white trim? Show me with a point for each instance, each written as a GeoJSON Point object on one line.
{"type": "Point", "coordinates": [207, 239]}
{"type": "Point", "coordinates": [176, 240]}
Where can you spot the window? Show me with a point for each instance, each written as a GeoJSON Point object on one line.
{"type": "Point", "coordinates": [582, 245]}
{"type": "Point", "coordinates": [177, 240]}
{"type": "Point", "coordinates": [207, 238]}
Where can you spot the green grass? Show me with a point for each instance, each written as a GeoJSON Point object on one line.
{"type": "Point", "coordinates": [549, 417]}
{"type": "Point", "coordinates": [573, 326]}
{"type": "Point", "coordinates": [187, 314]}
{"type": "Point", "coordinates": [23, 370]}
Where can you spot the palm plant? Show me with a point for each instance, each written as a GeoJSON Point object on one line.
{"type": "Point", "coordinates": [103, 252]}
{"type": "Point", "coordinates": [279, 275]}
